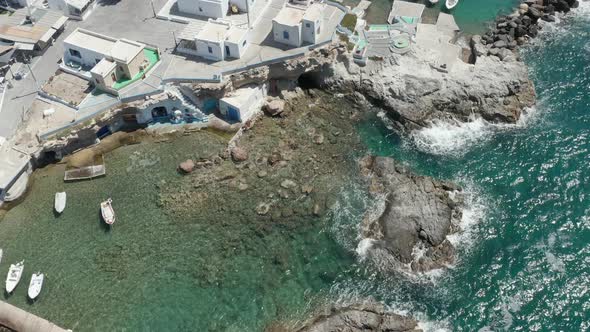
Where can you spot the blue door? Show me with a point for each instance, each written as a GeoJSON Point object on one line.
{"type": "Point", "coordinates": [233, 114]}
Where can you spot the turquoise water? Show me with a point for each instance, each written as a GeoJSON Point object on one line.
{"type": "Point", "coordinates": [524, 254]}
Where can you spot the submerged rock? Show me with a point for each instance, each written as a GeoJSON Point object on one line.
{"type": "Point", "coordinates": [413, 217]}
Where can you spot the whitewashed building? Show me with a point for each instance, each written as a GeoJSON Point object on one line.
{"type": "Point", "coordinates": [75, 9]}
{"type": "Point", "coordinates": [110, 59]}
{"type": "Point", "coordinates": [217, 40]}
{"type": "Point", "coordinates": [207, 8]}
{"type": "Point", "coordinates": [242, 103]}
{"type": "Point", "coordinates": [295, 26]}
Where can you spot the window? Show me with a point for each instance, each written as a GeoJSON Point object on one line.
{"type": "Point", "coordinates": [97, 60]}
{"type": "Point", "coordinates": [114, 77]}
{"type": "Point", "coordinates": [307, 25]}
{"type": "Point", "coordinates": [200, 9]}
{"type": "Point", "coordinates": [75, 53]}
{"type": "Point", "coordinates": [286, 34]}
{"type": "Point", "coordinates": [318, 30]}
{"type": "Point", "coordinates": [244, 43]}
{"type": "Point", "coordinates": [210, 49]}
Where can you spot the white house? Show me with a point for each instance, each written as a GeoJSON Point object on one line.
{"type": "Point", "coordinates": [294, 25]}
{"type": "Point", "coordinates": [110, 59]}
{"type": "Point", "coordinates": [286, 26]}
{"type": "Point", "coordinates": [75, 9]}
{"type": "Point", "coordinates": [242, 103]}
{"type": "Point", "coordinates": [207, 8]}
{"type": "Point", "coordinates": [311, 23]}
{"type": "Point", "coordinates": [217, 40]}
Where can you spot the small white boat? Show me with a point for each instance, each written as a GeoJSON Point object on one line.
{"type": "Point", "coordinates": [433, 1]}
{"type": "Point", "coordinates": [1, 253]}
{"type": "Point", "coordinates": [14, 274]}
{"type": "Point", "coordinates": [451, 3]}
{"type": "Point", "coordinates": [60, 202]}
{"type": "Point", "coordinates": [108, 214]}
{"type": "Point", "coordinates": [35, 285]}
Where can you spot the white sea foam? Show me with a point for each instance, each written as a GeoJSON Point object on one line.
{"type": "Point", "coordinates": [474, 212]}
{"type": "Point", "coordinates": [362, 249]}
{"type": "Point", "coordinates": [455, 138]}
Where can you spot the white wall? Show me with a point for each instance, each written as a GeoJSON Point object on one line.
{"type": "Point", "coordinates": [309, 34]}
{"type": "Point", "coordinates": [294, 34]}
{"type": "Point", "coordinates": [237, 49]}
{"type": "Point", "coordinates": [215, 9]}
{"type": "Point", "coordinates": [203, 50]}
{"type": "Point", "coordinates": [88, 57]}
{"type": "Point", "coordinates": [245, 100]}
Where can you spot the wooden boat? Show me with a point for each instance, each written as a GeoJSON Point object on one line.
{"type": "Point", "coordinates": [35, 285]}
{"type": "Point", "coordinates": [107, 212]}
{"type": "Point", "coordinates": [451, 3]}
{"type": "Point", "coordinates": [14, 274]}
{"type": "Point", "coordinates": [60, 202]}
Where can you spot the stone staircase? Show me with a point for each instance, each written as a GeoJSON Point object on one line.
{"type": "Point", "coordinates": [187, 102]}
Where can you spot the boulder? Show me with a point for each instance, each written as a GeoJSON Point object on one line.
{"type": "Point", "coordinates": [534, 13]}
{"type": "Point", "coordinates": [500, 44]}
{"type": "Point", "coordinates": [239, 154]}
{"type": "Point", "coordinates": [186, 166]}
{"type": "Point", "coordinates": [548, 18]}
{"type": "Point", "coordinates": [274, 107]}
{"type": "Point", "coordinates": [562, 6]}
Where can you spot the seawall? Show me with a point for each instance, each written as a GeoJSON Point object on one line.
{"type": "Point", "coordinates": [22, 321]}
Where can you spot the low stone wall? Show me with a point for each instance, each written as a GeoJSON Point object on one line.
{"type": "Point", "coordinates": [21, 321]}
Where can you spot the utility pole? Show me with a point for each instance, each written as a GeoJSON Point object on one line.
{"type": "Point", "coordinates": [153, 9]}
{"type": "Point", "coordinates": [248, 12]}
{"type": "Point", "coordinates": [34, 78]}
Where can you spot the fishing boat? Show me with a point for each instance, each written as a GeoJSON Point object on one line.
{"type": "Point", "coordinates": [35, 285]}
{"type": "Point", "coordinates": [451, 3]}
{"type": "Point", "coordinates": [108, 214]}
{"type": "Point", "coordinates": [14, 274]}
{"type": "Point", "coordinates": [60, 202]}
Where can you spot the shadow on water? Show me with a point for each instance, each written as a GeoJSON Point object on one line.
{"type": "Point", "coordinates": [103, 225]}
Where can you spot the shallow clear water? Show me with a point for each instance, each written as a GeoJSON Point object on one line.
{"type": "Point", "coordinates": [523, 257]}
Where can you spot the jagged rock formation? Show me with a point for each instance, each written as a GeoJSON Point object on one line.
{"type": "Point", "coordinates": [412, 217]}
{"type": "Point", "coordinates": [360, 317]}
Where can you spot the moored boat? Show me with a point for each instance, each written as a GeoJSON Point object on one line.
{"type": "Point", "coordinates": [1, 253]}
{"type": "Point", "coordinates": [35, 285]}
{"type": "Point", "coordinates": [14, 274]}
{"type": "Point", "coordinates": [107, 212]}
{"type": "Point", "coordinates": [433, 1]}
{"type": "Point", "coordinates": [60, 202]}
{"type": "Point", "coordinates": [451, 3]}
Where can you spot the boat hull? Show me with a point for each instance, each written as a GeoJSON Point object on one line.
{"type": "Point", "coordinates": [450, 4]}
{"type": "Point", "coordinates": [60, 202]}
{"type": "Point", "coordinates": [35, 286]}
{"type": "Point", "coordinates": [14, 275]}
{"type": "Point", "coordinates": [107, 212]}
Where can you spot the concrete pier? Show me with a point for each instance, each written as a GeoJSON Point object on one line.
{"type": "Point", "coordinates": [22, 321]}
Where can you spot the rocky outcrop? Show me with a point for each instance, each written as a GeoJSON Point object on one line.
{"type": "Point", "coordinates": [360, 317]}
{"type": "Point", "coordinates": [413, 216]}
{"type": "Point", "coordinates": [187, 166]}
{"type": "Point", "coordinates": [414, 94]}
{"type": "Point", "coordinates": [515, 29]}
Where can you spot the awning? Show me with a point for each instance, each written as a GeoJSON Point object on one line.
{"type": "Point", "coordinates": [24, 46]}
{"type": "Point", "coordinates": [48, 35]}
{"type": "Point", "coordinates": [60, 23]}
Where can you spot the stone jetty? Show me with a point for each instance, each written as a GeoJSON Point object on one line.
{"type": "Point", "coordinates": [515, 29]}
{"type": "Point", "coordinates": [21, 321]}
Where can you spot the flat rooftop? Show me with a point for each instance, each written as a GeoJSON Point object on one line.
{"type": "Point", "coordinates": [103, 67]}
{"type": "Point", "coordinates": [16, 28]}
{"type": "Point", "coordinates": [126, 50]}
{"type": "Point", "coordinates": [91, 41]}
{"type": "Point", "coordinates": [290, 16]}
{"type": "Point", "coordinates": [214, 32]}
{"type": "Point", "coordinates": [315, 12]}
{"type": "Point", "coordinates": [236, 34]}
{"type": "Point", "coordinates": [407, 9]}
